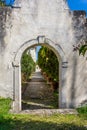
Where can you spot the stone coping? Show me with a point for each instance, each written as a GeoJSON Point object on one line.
{"type": "Point", "coordinates": [49, 112]}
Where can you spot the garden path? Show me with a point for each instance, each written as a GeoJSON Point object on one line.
{"type": "Point", "coordinates": [39, 99]}
{"type": "Point", "coordinates": [39, 94]}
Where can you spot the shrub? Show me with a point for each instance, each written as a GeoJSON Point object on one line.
{"type": "Point", "coordinates": [48, 62]}
{"type": "Point", "coordinates": [27, 66]}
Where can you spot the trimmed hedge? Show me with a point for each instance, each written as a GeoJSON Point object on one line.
{"type": "Point", "coordinates": [48, 62]}
{"type": "Point", "coordinates": [27, 66]}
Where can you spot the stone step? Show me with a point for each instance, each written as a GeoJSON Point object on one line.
{"type": "Point", "coordinates": [37, 80]}
{"type": "Point", "coordinates": [37, 90]}
{"type": "Point", "coordinates": [48, 112]}
{"type": "Point", "coordinates": [37, 83]}
{"type": "Point", "coordinates": [37, 87]}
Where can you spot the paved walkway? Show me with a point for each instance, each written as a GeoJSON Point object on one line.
{"type": "Point", "coordinates": [38, 94]}
{"type": "Point", "coordinates": [36, 76]}
{"type": "Point", "coordinates": [39, 98]}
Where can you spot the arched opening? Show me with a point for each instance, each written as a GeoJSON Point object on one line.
{"type": "Point", "coordinates": [41, 40]}
{"type": "Point", "coordinates": [39, 78]}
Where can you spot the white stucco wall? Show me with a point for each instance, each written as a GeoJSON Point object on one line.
{"type": "Point", "coordinates": [52, 20]}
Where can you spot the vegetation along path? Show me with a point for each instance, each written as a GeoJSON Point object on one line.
{"type": "Point", "coordinates": [39, 97]}
{"type": "Point", "coordinates": [38, 94]}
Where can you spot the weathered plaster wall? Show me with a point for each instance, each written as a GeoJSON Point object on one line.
{"type": "Point", "coordinates": [53, 20]}
{"type": "Point", "coordinates": [5, 72]}
{"type": "Point", "coordinates": [78, 67]}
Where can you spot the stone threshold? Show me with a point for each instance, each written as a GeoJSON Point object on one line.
{"type": "Point", "coordinates": [49, 111]}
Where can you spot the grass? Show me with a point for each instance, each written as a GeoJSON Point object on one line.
{"type": "Point", "coordinates": [82, 110]}
{"type": "Point", "coordinates": [34, 122]}
{"type": "Point", "coordinates": [4, 105]}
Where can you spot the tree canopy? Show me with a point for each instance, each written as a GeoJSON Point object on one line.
{"type": "Point", "coordinates": [1, 3]}
{"type": "Point", "coordinates": [48, 62]}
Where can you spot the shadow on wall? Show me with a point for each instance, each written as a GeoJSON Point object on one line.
{"type": "Point", "coordinates": [79, 23]}
{"type": "Point", "coordinates": [72, 91]}
{"type": "Point", "coordinates": [5, 22]}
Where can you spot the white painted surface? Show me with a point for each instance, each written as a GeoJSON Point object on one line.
{"type": "Point", "coordinates": [50, 19]}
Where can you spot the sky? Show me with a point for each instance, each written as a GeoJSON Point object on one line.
{"type": "Point", "coordinates": [9, 2]}
{"type": "Point", "coordinates": [73, 4]}
{"type": "Point", "coordinates": [37, 50]}
{"type": "Point", "coordinates": [78, 5]}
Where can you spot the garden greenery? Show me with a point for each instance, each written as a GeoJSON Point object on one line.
{"type": "Point", "coordinates": [27, 66]}
{"type": "Point", "coordinates": [2, 3]}
{"type": "Point", "coordinates": [81, 47]}
{"type": "Point", "coordinates": [9, 121]}
{"type": "Point", "coordinates": [48, 62]}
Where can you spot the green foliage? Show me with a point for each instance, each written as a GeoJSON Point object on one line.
{"type": "Point", "coordinates": [48, 62]}
{"type": "Point", "coordinates": [27, 66]}
{"type": "Point", "coordinates": [2, 3]}
{"type": "Point", "coordinates": [4, 105]}
{"type": "Point", "coordinates": [82, 110]}
{"type": "Point", "coordinates": [34, 122]}
{"type": "Point", "coordinates": [83, 49]}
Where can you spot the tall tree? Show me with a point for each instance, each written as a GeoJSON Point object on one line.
{"type": "Point", "coordinates": [48, 62]}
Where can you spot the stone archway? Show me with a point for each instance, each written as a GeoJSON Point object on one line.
{"type": "Point", "coordinates": [41, 40]}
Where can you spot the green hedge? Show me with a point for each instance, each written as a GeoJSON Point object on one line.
{"type": "Point", "coordinates": [27, 66]}
{"type": "Point", "coordinates": [1, 3]}
{"type": "Point", "coordinates": [48, 62]}
{"type": "Point", "coordinates": [82, 110]}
